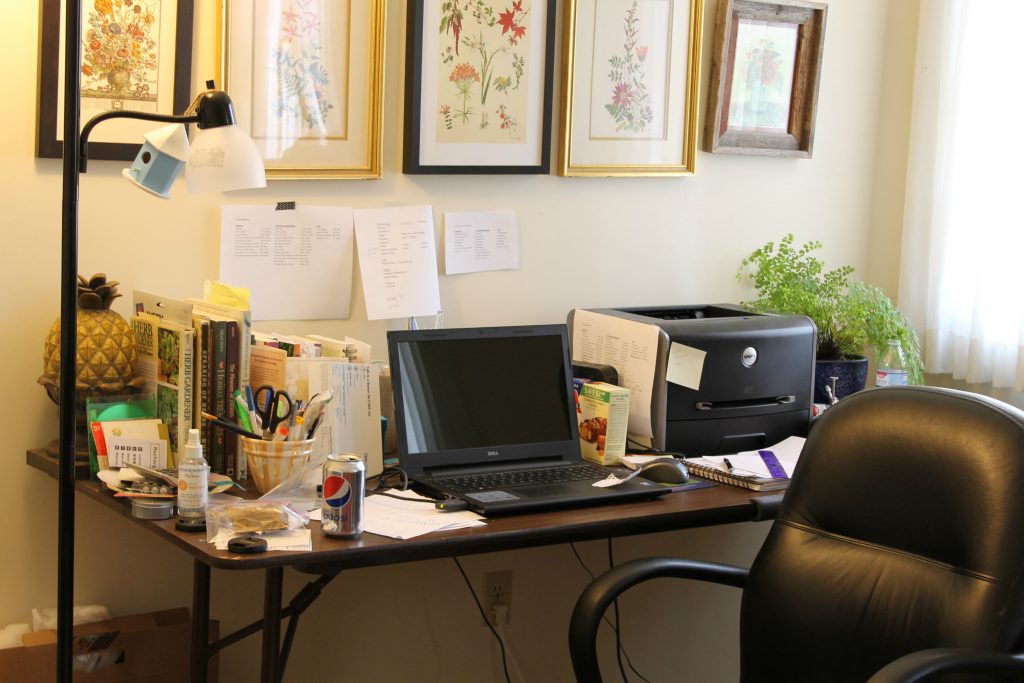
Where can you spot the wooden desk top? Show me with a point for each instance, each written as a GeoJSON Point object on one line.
{"type": "Point", "coordinates": [687, 509]}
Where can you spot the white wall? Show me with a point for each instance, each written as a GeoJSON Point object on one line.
{"type": "Point", "coordinates": [665, 241]}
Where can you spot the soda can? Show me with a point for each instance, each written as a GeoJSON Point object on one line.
{"type": "Point", "coordinates": [344, 479]}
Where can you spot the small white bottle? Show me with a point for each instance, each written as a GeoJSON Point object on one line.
{"type": "Point", "coordinates": [892, 368]}
{"type": "Point", "coordinates": [193, 480]}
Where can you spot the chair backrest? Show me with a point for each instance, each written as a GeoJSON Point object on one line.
{"type": "Point", "coordinates": [903, 529]}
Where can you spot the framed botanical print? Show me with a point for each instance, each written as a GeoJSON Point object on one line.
{"type": "Point", "coordinates": [306, 78]}
{"type": "Point", "coordinates": [764, 77]}
{"type": "Point", "coordinates": [478, 86]}
{"type": "Point", "coordinates": [631, 70]}
{"type": "Point", "coordinates": [136, 54]}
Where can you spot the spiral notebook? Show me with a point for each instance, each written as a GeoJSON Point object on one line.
{"type": "Point", "coordinates": [767, 469]}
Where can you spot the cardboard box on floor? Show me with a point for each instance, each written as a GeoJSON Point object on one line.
{"type": "Point", "coordinates": [144, 648]}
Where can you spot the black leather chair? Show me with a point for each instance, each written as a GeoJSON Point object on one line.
{"type": "Point", "coordinates": [897, 553]}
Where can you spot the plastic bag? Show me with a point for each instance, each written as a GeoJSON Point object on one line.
{"type": "Point", "coordinates": [300, 489]}
{"type": "Point", "coordinates": [252, 516]}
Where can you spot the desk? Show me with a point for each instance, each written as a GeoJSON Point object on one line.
{"type": "Point", "coordinates": [702, 507]}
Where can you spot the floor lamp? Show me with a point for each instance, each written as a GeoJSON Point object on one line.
{"type": "Point", "coordinates": [220, 158]}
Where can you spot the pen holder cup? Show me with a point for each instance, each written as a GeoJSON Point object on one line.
{"type": "Point", "coordinates": [271, 462]}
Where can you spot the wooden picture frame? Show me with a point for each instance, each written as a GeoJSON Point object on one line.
{"type": "Point", "coordinates": [764, 77]}
{"type": "Point", "coordinates": [630, 78]}
{"type": "Point", "coordinates": [478, 86]}
{"type": "Point", "coordinates": [307, 83]}
{"type": "Point", "coordinates": [146, 65]}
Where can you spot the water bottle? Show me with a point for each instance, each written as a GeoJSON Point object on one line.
{"type": "Point", "coordinates": [892, 368]}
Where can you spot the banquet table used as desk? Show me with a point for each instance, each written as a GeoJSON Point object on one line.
{"type": "Point", "coordinates": [682, 510]}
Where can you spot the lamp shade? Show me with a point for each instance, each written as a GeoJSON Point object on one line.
{"type": "Point", "coordinates": [222, 159]}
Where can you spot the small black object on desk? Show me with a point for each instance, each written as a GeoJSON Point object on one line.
{"type": "Point", "coordinates": [665, 471]}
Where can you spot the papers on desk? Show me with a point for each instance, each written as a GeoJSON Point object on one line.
{"type": "Point", "coordinates": [397, 519]}
{"type": "Point", "coordinates": [386, 516]}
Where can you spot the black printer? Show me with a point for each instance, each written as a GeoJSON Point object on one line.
{"type": "Point", "coordinates": [725, 379]}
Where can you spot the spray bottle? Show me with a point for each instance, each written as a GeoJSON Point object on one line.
{"type": "Point", "coordinates": [193, 481]}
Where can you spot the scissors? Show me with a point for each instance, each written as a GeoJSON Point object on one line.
{"type": "Point", "coordinates": [272, 407]}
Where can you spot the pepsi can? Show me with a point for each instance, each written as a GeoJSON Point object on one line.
{"type": "Point", "coordinates": [344, 479]}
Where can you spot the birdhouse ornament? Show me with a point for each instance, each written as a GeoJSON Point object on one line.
{"type": "Point", "coordinates": [160, 160]}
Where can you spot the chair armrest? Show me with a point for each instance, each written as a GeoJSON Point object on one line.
{"type": "Point", "coordinates": [595, 599]}
{"type": "Point", "coordinates": [923, 664]}
{"type": "Point", "coordinates": [766, 507]}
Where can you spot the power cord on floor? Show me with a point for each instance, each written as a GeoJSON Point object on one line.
{"type": "Point", "coordinates": [501, 643]}
{"type": "Point", "coordinates": [620, 650]}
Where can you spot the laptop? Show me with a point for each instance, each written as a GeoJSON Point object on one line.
{"type": "Point", "coordinates": [488, 415]}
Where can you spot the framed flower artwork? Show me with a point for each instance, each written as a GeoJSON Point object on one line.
{"type": "Point", "coordinates": [629, 87]}
{"type": "Point", "coordinates": [136, 54]}
{"type": "Point", "coordinates": [478, 86]}
{"type": "Point", "coordinates": [764, 77]}
{"type": "Point", "coordinates": [306, 78]}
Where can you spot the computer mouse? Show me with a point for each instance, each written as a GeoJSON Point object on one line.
{"type": "Point", "coordinates": [665, 471]}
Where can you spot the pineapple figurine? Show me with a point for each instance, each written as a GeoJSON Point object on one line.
{"type": "Point", "coordinates": [106, 356]}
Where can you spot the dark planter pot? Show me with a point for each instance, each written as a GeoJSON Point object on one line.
{"type": "Point", "coordinates": [851, 376]}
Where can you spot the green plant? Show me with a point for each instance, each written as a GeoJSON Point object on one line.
{"type": "Point", "coordinates": [852, 317]}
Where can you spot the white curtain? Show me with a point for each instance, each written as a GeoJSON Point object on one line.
{"type": "Point", "coordinates": [963, 236]}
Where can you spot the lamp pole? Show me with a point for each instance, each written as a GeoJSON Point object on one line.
{"type": "Point", "coordinates": [68, 343]}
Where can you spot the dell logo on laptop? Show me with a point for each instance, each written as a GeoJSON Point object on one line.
{"type": "Point", "coordinates": [490, 453]}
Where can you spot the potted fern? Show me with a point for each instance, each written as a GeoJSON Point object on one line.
{"type": "Point", "coordinates": [852, 317]}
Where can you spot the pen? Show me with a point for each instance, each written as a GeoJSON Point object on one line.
{"type": "Point", "coordinates": [227, 424]}
{"type": "Point", "coordinates": [242, 411]}
{"type": "Point", "coordinates": [728, 465]}
{"type": "Point", "coordinates": [250, 401]}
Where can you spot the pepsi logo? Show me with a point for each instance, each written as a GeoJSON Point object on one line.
{"type": "Point", "coordinates": [337, 491]}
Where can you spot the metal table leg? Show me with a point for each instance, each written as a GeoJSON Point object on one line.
{"type": "Point", "coordinates": [270, 672]}
{"type": "Point", "coordinates": [200, 652]}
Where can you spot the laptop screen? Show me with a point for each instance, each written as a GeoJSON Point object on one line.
{"type": "Point", "coordinates": [482, 395]}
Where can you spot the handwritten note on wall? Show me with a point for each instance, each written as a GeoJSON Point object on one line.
{"type": "Point", "coordinates": [398, 261]}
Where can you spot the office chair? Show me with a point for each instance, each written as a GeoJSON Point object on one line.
{"type": "Point", "coordinates": [896, 555]}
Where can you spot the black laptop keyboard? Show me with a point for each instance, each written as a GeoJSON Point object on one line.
{"type": "Point", "coordinates": [491, 481]}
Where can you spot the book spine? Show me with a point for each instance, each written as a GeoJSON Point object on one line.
{"type": "Point", "coordinates": [203, 342]}
{"type": "Point", "coordinates": [231, 383]}
{"type": "Point", "coordinates": [186, 392]}
{"type": "Point", "coordinates": [219, 390]}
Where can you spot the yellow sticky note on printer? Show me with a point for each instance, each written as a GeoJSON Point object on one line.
{"type": "Point", "coordinates": [685, 365]}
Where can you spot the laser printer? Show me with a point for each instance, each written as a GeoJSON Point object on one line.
{"type": "Point", "coordinates": [725, 379]}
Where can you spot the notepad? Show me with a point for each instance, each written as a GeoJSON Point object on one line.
{"type": "Point", "coordinates": [766, 469]}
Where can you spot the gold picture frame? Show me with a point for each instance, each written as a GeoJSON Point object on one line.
{"type": "Point", "coordinates": [630, 80]}
{"type": "Point", "coordinates": [307, 84]}
{"type": "Point", "coordinates": [764, 77]}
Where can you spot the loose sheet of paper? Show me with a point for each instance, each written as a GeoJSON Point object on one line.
{"type": "Point", "coordinates": [398, 261]}
{"type": "Point", "coordinates": [297, 263]}
{"type": "Point", "coordinates": [397, 519]}
{"type": "Point", "coordinates": [628, 346]}
{"type": "Point", "coordinates": [750, 463]}
{"type": "Point", "coordinates": [477, 242]}
{"type": "Point", "coordinates": [352, 417]}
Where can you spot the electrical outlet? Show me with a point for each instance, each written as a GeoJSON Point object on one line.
{"type": "Point", "coordinates": [498, 597]}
